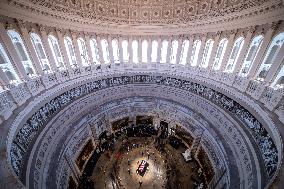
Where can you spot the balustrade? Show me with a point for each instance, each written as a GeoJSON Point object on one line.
{"type": "Point", "coordinates": [19, 93]}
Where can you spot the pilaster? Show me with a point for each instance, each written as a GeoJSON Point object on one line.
{"type": "Point", "coordinates": [12, 52]}
{"type": "Point", "coordinates": [228, 50]}
{"type": "Point", "coordinates": [100, 49]}
{"type": "Point", "coordinates": [89, 50]}
{"type": "Point", "coordinates": [275, 66]}
{"type": "Point", "coordinates": [120, 49]}
{"type": "Point", "coordinates": [159, 49]}
{"type": "Point", "coordinates": [169, 50]}
{"type": "Point", "coordinates": [189, 52]}
{"type": "Point", "coordinates": [200, 53]}
{"type": "Point", "coordinates": [139, 50]}
{"type": "Point", "coordinates": [30, 49]}
{"type": "Point", "coordinates": [48, 52]}
{"type": "Point", "coordinates": [244, 50]}
{"type": "Point", "coordinates": [180, 41]}
{"type": "Point", "coordinates": [63, 49]}
{"type": "Point", "coordinates": [214, 50]}
{"type": "Point", "coordinates": [261, 53]}
{"type": "Point", "coordinates": [149, 50]}
{"type": "Point", "coordinates": [110, 50]}
{"type": "Point", "coordinates": [76, 49]}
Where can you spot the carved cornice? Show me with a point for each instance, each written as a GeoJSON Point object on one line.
{"type": "Point", "coordinates": [104, 25]}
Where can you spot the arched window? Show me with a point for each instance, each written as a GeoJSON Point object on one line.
{"type": "Point", "coordinates": [83, 51]}
{"type": "Point", "coordinates": [194, 52]}
{"type": "Point", "coordinates": [278, 83]}
{"type": "Point", "coordinates": [145, 51]}
{"type": "Point", "coordinates": [135, 51]}
{"type": "Point", "coordinates": [53, 43]}
{"type": "Point", "coordinates": [154, 53]}
{"type": "Point", "coordinates": [270, 56]}
{"type": "Point", "coordinates": [220, 54]}
{"type": "Point", "coordinates": [104, 45]}
{"type": "Point", "coordinates": [115, 50]}
{"type": "Point", "coordinates": [184, 51]}
{"type": "Point", "coordinates": [253, 49]}
{"type": "Point", "coordinates": [235, 54]}
{"type": "Point", "coordinates": [22, 52]}
{"type": "Point", "coordinates": [6, 66]}
{"type": "Point", "coordinates": [125, 51]}
{"type": "Point", "coordinates": [95, 51]}
{"type": "Point", "coordinates": [37, 44]}
{"type": "Point", "coordinates": [164, 51]}
{"type": "Point", "coordinates": [70, 51]}
{"type": "Point", "coordinates": [173, 57]}
{"type": "Point", "coordinates": [206, 53]}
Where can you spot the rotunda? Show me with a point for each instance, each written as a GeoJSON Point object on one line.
{"type": "Point", "coordinates": [123, 94]}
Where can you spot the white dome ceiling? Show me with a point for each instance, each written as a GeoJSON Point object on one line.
{"type": "Point", "coordinates": [149, 11]}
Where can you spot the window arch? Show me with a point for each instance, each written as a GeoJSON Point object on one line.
{"type": "Point", "coordinates": [95, 51]}
{"type": "Point", "coordinates": [173, 57]}
{"type": "Point", "coordinates": [194, 52]}
{"type": "Point", "coordinates": [104, 45]}
{"type": "Point", "coordinates": [206, 53]}
{"type": "Point", "coordinates": [220, 54]}
{"type": "Point", "coordinates": [83, 51]}
{"type": "Point", "coordinates": [22, 52]}
{"type": "Point", "coordinates": [6, 66]}
{"type": "Point", "coordinates": [235, 54]}
{"type": "Point", "coordinates": [154, 53]}
{"type": "Point", "coordinates": [145, 51]}
{"type": "Point", "coordinates": [270, 56]}
{"type": "Point", "coordinates": [70, 51]}
{"type": "Point", "coordinates": [125, 51]}
{"type": "Point", "coordinates": [54, 45]}
{"type": "Point", "coordinates": [253, 49]}
{"type": "Point", "coordinates": [184, 52]}
{"type": "Point", "coordinates": [37, 44]}
{"type": "Point", "coordinates": [115, 50]}
{"type": "Point", "coordinates": [164, 51]}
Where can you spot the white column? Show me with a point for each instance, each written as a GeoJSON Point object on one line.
{"type": "Point", "coordinates": [48, 52]}
{"type": "Point", "coordinates": [261, 53]}
{"type": "Point", "coordinates": [169, 50]}
{"type": "Point", "coordinates": [179, 49]}
{"type": "Point", "coordinates": [89, 50]}
{"type": "Point", "coordinates": [139, 50]}
{"type": "Point", "coordinates": [120, 49]}
{"type": "Point", "coordinates": [200, 53]}
{"type": "Point", "coordinates": [63, 48]}
{"type": "Point", "coordinates": [110, 50]}
{"type": "Point", "coordinates": [244, 50]}
{"type": "Point", "coordinates": [100, 49]}
{"type": "Point", "coordinates": [12, 52]}
{"type": "Point", "coordinates": [214, 50]}
{"type": "Point", "coordinates": [228, 50]}
{"type": "Point", "coordinates": [149, 50]}
{"type": "Point", "coordinates": [159, 49]}
{"type": "Point", "coordinates": [191, 41]}
{"type": "Point", "coordinates": [275, 66]}
{"type": "Point", "coordinates": [30, 48]}
{"type": "Point", "coordinates": [129, 48]}
{"type": "Point", "coordinates": [76, 48]}
{"type": "Point", "coordinates": [3, 78]}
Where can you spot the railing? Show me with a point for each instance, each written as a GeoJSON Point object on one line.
{"type": "Point", "coordinates": [15, 95]}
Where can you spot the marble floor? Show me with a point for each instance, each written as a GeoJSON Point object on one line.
{"type": "Point", "coordinates": [117, 170]}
